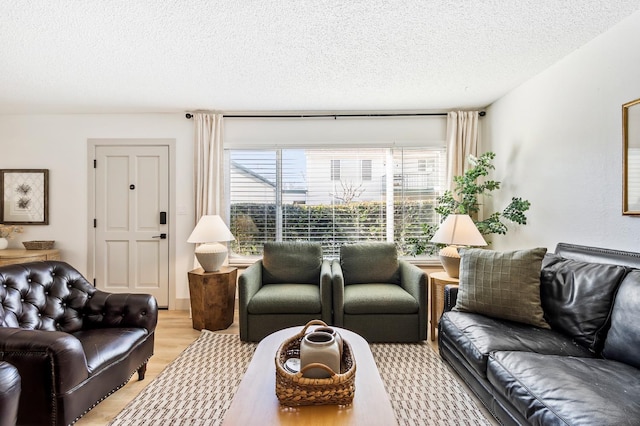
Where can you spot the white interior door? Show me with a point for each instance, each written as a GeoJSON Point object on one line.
{"type": "Point", "coordinates": [132, 201]}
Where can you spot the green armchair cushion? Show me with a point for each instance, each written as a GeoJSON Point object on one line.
{"type": "Point", "coordinates": [379, 299]}
{"type": "Point", "coordinates": [286, 299]}
{"type": "Point", "coordinates": [291, 262]}
{"type": "Point", "coordinates": [370, 263]}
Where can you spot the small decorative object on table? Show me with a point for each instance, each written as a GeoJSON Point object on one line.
{"type": "Point", "coordinates": [6, 234]}
{"type": "Point", "coordinates": [293, 389]}
{"type": "Point", "coordinates": [38, 245]}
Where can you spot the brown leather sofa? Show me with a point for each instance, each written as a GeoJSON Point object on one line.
{"type": "Point", "coordinates": [73, 345]}
{"type": "Point", "coordinates": [9, 394]}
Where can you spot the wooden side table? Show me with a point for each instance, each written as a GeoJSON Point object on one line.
{"type": "Point", "coordinates": [212, 297]}
{"type": "Point", "coordinates": [437, 282]}
{"type": "Point", "coordinates": [13, 256]}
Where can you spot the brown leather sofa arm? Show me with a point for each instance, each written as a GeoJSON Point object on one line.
{"type": "Point", "coordinates": [44, 355]}
{"type": "Point", "coordinates": [10, 387]}
{"type": "Point", "coordinates": [450, 297]}
{"type": "Point", "coordinates": [105, 310]}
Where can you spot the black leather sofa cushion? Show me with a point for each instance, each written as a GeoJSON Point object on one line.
{"type": "Point", "coordinates": [560, 390]}
{"type": "Point", "coordinates": [623, 339]}
{"type": "Point", "coordinates": [475, 336]}
{"type": "Point", "coordinates": [576, 297]}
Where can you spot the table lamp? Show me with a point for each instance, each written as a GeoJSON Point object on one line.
{"type": "Point", "coordinates": [209, 231]}
{"type": "Point", "coordinates": [456, 230]}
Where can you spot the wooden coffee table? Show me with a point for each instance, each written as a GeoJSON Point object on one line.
{"type": "Point", "coordinates": [255, 401]}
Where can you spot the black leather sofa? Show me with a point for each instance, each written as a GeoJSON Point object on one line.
{"type": "Point", "coordinates": [585, 370]}
{"type": "Point", "coordinates": [73, 345]}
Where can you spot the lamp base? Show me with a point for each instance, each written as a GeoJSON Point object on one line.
{"type": "Point", "coordinates": [211, 256]}
{"type": "Point", "coordinates": [450, 259]}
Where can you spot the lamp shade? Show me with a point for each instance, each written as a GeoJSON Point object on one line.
{"type": "Point", "coordinates": [456, 230]}
{"type": "Point", "coordinates": [209, 231]}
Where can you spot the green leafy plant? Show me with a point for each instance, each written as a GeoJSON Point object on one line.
{"type": "Point", "coordinates": [465, 199]}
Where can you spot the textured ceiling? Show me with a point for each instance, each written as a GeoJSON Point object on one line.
{"type": "Point", "coordinates": [92, 56]}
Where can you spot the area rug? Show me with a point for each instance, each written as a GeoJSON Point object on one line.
{"type": "Point", "coordinates": [198, 386]}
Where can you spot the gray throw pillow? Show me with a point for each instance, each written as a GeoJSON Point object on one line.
{"type": "Point", "coordinates": [503, 285]}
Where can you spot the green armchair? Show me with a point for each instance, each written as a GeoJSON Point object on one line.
{"type": "Point", "coordinates": [290, 286]}
{"type": "Point", "coordinates": [378, 296]}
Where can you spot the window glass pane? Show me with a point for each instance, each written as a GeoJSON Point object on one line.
{"type": "Point", "coordinates": [332, 196]}
{"type": "Point", "coordinates": [418, 180]}
{"type": "Point", "coordinates": [252, 179]}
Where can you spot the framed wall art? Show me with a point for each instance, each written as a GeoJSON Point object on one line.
{"type": "Point", "coordinates": [25, 196]}
{"type": "Point", "coordinates": [631, 158]}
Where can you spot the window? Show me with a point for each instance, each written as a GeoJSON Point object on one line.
{"type": "Point", "coordinates": [332, 196]}
{"type": "Point", "coordinates": [335, 169]}
{"type": "Point", "coordinates": [366, 169]}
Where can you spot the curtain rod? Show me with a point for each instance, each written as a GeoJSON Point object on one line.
{"type": "Point", "coordinates": [335, 116]}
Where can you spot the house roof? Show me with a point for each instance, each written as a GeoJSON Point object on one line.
{"type": "Point", "coordinates": [122, 56]}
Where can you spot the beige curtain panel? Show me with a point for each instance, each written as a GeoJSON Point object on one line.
{"type": "Point", "coordinates": [209, 165]}
{"type": "Point", "coordinates": [462, 140]}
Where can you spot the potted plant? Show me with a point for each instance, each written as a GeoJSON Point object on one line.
{"type": "Point", "coordinates": [465, 199]}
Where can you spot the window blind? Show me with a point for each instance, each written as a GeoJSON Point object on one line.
{"type": "Point", "coordinates": [378, 194]}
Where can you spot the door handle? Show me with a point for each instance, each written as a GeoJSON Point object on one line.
{"type": "Point", "coordinates": [161, 236]}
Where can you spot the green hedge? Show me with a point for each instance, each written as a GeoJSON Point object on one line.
{"type": "Point", "coordinates": [253, 224]}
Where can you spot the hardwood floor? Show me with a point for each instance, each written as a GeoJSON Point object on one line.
{"type": "Point", "coordinates": [173, 334]}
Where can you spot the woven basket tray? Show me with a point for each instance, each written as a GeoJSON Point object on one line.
{"type": "Point", "coordinates": [38, 245]}
{"type": "Point", "coordinates": [295, 390]}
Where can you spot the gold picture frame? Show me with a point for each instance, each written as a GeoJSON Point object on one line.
{"type": "Point", "coordinates": [25, 196]}
{"type": "Point", "coordinates": [631, 158]}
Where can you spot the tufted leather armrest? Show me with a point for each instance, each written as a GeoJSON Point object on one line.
{"type": "Point", "coordinates": [36, 352]}
{"type": "Point", "coordinates": [450, 297]}
{"type": "Point", "coordinates": [121, 310]}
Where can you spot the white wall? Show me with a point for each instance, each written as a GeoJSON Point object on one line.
{"type": "Point", "coordinates": [558, 140]}
{"type": "Point", "coordinates": [59, 143]}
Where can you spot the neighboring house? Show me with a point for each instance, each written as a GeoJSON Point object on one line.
{"type": "Point", "coordinates": [260, 189]}
{"type": "Point", "coordinates": [361, 175]}
{"type": "Point", "coordinates": [340, 176]}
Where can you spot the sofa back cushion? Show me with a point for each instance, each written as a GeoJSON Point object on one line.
{"type": "Point", "coordinates": [47, 296]}
{"type": "Point", "coordinates": [623, 340]}
{"type": "Point", "coordinates": [577, 297]}
{"type": "Point", "coordinates": [291, 263]}
{"type": "Point", "coordinates": [366, 263]}
{"type": "Point", "coordinates": [503, 285]}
